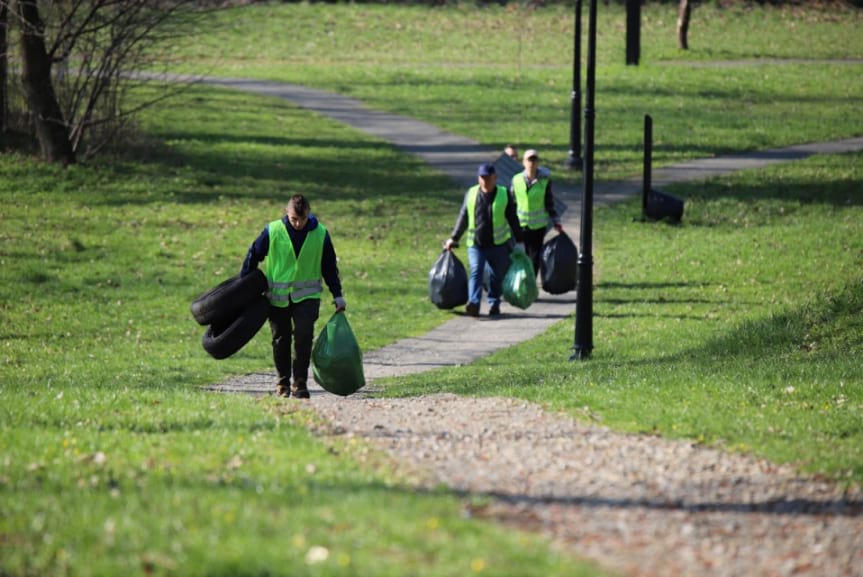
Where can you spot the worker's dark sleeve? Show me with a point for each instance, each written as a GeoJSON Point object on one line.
{"type": "Point", "coordinates": [330, 268]}
{"type": "Point", "coordinates": [257, 252]}
{"type": "Point", "coordinates": [549, 204]}
{"type": "Point", "coordinates": [512, 218]}
{"type": "Point", "coordinates": [461, 221]}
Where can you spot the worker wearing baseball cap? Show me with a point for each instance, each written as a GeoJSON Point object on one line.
{"type": "Point", "coordinates": [488, 214]}
{"type": "Point", "coordinates": [531, 189]}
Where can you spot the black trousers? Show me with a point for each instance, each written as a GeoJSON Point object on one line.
{"type": "Point", "coordinates": [533, 245]}
{"type": "Point", "coordinates": [294, 322]}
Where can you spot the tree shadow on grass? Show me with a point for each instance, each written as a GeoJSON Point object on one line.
{"type": "Point", "coordinates": [344, 170]}
{"type": "Point", "coordinates": [320, 160]}
{"type": "Point", "coordinates": [837, 316]}
{"type": "Point", "coordinates": [230, 145]}
{"type": "Point", "coordinates": [834, 507]}
{"type": "Point", "coordinates": [838, 506]}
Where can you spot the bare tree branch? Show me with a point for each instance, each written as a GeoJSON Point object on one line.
{"type": "Point", "coordinates": [89, 48]}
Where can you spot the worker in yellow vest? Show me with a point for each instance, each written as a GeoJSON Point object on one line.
{"type": "Point", "coordinates": [298, 253]}
{"type": "Point", "coordinates": [489, 217]}
{"type": "Point", "coordinates": [531, 189]}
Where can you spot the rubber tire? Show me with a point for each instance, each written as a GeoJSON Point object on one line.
{"type": "Point", "coordinates": [222, 341]}
{"type": "Point", "coordinates": [223, 302]}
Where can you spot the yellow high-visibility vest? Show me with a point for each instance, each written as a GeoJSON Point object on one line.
{"type": "Point", "coordinates": [292, 277]}
{"type": "Point", "coordinates": [530, 202]}
{"type": "Point", "coordinates": [500, 226]}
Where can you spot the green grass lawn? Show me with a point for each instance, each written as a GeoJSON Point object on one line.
{"type": "Point", "coordinates": [754, 77]}
{"type": "Point", "coordinates": [739, 328]}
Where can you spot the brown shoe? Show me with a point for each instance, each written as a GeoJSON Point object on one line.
{"type": "Point", "coordinates": [283, 390]}
{"type": "Point", "coordinates": [299, 390]}
{"type": "Point", "coordinates": [471, 310]}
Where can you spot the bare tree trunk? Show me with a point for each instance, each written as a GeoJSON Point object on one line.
{"type": "Point", "coordinates": [4, 69]}
{"type": "Point", "coordinates": [51, 129]}
{"type": "Point", "coordinates": [683, 13]}
{"type": "Point", "coordinates": [633, 32]}
{"type": "Point", "coordinates": [76, 114]}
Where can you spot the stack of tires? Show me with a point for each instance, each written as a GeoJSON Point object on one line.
{"type": "Point", "coordinates": [234, 311]}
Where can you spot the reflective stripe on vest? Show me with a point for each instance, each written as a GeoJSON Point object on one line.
{"type": "Point", "coordinates": [500, 226]}
{"type": "Point", "coordinates": [530, 202]}
{"type": "Point", "coordinates": [293, 278]}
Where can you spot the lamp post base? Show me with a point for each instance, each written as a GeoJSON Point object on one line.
{"type": "Point", "coordinates": [580, 355]}
{"type": "Point", "coordinates": [574, 163]}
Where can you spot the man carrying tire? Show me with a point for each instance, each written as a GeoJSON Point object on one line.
{"type": "Point", "coordinates": [297, 252]}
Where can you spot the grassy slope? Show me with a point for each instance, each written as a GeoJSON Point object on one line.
{"type": "Point", "coordinates": [740, 327]}
{"type": "Point", "coordinates": [489, 83]}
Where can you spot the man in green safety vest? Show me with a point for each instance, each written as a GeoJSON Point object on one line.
{"type": "Point", "coordinates": [297, 253]}
{"type": "Point", "coordinates": [535, 204]}
{"type": "Point", "coordinates": [488, 215]}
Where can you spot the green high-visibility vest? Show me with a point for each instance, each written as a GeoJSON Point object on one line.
{"type": "Point", "coordinates": [500, 226]}
{"type": "Point", "coordinates": [292, 277]}
{"type": "Point", "coordinates": [530, 202]}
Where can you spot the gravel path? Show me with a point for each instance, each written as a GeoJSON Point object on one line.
{"type": "Point", "coordinates": [639, 505]}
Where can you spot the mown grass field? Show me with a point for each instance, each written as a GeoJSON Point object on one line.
{"type": "Point", "coordinates": [753, 78]}
{"type": "Point", "coordinates": [739, 328]}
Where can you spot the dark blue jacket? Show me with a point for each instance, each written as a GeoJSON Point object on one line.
{"type": "Point", "coordinates": [329, 267]}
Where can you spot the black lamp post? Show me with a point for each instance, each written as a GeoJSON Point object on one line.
{"type": "Point", "coordinates": [574, 161]}
{"type": "Point", "coordinates": [584, 304]}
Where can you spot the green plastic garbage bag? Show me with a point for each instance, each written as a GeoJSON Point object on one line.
{"type": "Point", "coordinates": [519, 283]}
{"type": "Point", "coordinates": [337, 362]}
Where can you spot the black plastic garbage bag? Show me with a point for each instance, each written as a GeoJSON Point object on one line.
{"type": "Point", "coordinates": [519, 283]}
{"type": "Point", "coordinates": [337, 362]}
{"type": "Point", "coordinates": [558, 265]}
{"type": "Point", "coordinates": [448, 281]}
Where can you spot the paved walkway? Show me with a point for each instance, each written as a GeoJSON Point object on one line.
{"type": "Point", "coordinates": [463, 340]}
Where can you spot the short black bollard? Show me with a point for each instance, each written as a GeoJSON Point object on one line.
{"type": "Point", "coordinates": [655, 204]}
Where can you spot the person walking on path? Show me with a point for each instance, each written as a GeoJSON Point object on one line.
{"type": "Point", "coordinates": [488, 214]}
{"type": "Point", "coordinates": [531, 189]}
{"type": "Point", "coordinates": [511, 151]}
{"type": "Point", "coordinates": [297, 252]}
